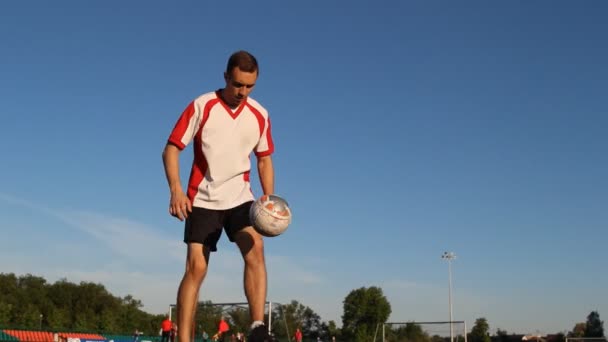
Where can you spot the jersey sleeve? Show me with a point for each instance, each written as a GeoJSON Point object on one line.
{"type": "Point", "coordinates": [186, 126]}
{"type": "Point", "coordinates": [265, 146]}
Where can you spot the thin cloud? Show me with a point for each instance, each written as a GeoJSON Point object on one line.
{"type": "Point", "coordinates": [124, 237]}
{"type": "Point", "coordinates": [136, 262]}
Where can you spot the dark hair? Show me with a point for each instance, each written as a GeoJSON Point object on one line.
{"type": "Point", "coordinates": [244, 61]}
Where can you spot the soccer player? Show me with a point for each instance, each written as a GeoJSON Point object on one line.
{"type": "Point", "coordinates": [165, 328]}
{"type": "Point", "coordinates": [222, 329]}
{"type": "Point", "coordinates": [225, 127]}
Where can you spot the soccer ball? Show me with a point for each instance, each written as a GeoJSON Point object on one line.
{"type": "Point", "coordinates": [270, 215]}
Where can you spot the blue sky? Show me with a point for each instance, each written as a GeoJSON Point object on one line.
{"type": "Point", "coordinates": [402, 130]}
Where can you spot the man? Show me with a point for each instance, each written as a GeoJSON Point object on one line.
{"type": "Point", "coordinates": [136, 335]}
{"type": "Point", "coordinates": [225, 126]}
{"type": "Point", "coordinates": [173, 332]}
{"type": "Point", "coordinates": [165, 328]}
{"type": "Point", "coordinates": [222, 329]}
{"type": "Point", "coordinates": [298, 335]}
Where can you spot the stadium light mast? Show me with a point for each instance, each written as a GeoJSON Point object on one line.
{"type": "Point", "coordinates": [449, 256]}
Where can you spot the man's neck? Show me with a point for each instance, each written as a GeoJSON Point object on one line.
{"type": "Point", "coordinates": [223, 96]}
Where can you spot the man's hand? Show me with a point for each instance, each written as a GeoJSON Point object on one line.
{"type": "Point", "coordinates": [180, 205]}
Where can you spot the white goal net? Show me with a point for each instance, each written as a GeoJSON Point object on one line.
{"type": "Point", "coordinates": [208, 315]}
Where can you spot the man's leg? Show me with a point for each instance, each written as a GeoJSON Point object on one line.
{"type": "Point", "coordinates": [187, 296]}
{"type": "Point", "coordinates": [251, 246]}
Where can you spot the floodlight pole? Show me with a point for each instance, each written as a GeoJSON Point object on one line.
{"type": "Point", "coordinates": [449, 256]}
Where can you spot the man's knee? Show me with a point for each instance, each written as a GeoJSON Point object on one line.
{"type": "Point", "coordinates": [196, 267]}
{"type": "Point", "coordinates": [255, 255]}
{"type": "Point", "coordinates": [197, 261]}
{"type": "Point", "coordinates": [251, 245]}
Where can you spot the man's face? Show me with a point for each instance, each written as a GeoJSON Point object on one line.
{"type": "Point", "coordinates": [238, 86]}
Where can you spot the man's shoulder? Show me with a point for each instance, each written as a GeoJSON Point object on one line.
{"type": "Point", "coordinates": [206, 97]}
{"type": "Point", "coordinates": [257, 106]}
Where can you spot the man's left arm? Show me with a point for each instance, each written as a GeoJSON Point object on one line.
{"type": "Point", "coordinates": [266, 173]}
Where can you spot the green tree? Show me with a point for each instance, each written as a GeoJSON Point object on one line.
{"type": "Point", "coordinates": [559, 337]}
{"type": "Point", "coordinates": [132, 317]}
{"type": "Point", "coordinates": [59, 318]}
{"type": "Point", "coordinates": [480, 330]}
{"type": "Point", "coordinates": [28, 316]}
{"type": "Point", "coordinates": [9, 300]}
{"type": "Point", "coordinates": [578, 330]}
{"type": "Point", "coordinates": [208, 317]}
{"type": "Point", "coordinates": [333, 330]}
{"type": "Point", "coordinates": [33, 302]}
{"type": "Point", "coordinates": [502, 335]}
{"type": "Point", "coordinates": [6, 310]}
{"type": "Point", "coordinates": [410, 332]}
{"type": "Point", "coordinates": [594, 326]}
{"type": "Point", "coordinates": [364, 309]}
{"type": "Point", "coordinates": [297, 315]}
{"type": "Point", "coordinates": [240, 319]}
{"type": "Point", "coordinates": [110, 317]}
{"type": "Point", "coordinates": [62, 295]}
{"type": "Point", "coordinates": [29, 301]}
{"type": "Point", "coordinates": [85, 320]}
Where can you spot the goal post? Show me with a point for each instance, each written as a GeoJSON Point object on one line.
{"type": "Point", "coordinates": [444, 331]}
{"type": "Point", "coordinates": [208, 314]}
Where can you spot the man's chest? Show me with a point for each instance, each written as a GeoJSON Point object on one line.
{"type": "Point", "coordinates": [221, 131]}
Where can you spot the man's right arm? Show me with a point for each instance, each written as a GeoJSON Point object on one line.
{"type": "Point", "coordinates": [179, 205]}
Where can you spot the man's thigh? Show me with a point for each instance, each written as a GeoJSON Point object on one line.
{"type": "Point", "coordinates": [204, 226]}
{"type": "Point", "coordinates": [237, 219]}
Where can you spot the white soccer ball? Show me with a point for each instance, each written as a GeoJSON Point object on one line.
{"type": "Point", "coordinates": [270, 215]}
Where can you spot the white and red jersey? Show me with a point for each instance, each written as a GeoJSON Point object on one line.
{"type": "Point", "coordinates": [223, 141]}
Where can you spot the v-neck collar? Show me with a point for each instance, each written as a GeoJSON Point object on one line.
{"type": "Point", "coordinates": [234, 114]}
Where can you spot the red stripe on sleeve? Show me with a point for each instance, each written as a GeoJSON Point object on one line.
{"type": "Point", "coordinates": [258, 116]}
{"type": "Point", "coordinates": [182, 126]}
{"type": "Point", "coordinates": [269, 141]}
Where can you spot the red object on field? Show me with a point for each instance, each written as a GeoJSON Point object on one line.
{"type": "Point", "coordinates": [223, 326]}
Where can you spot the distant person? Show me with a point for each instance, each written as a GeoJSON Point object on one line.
{"type": "Point", "coordinates": [165, 327]}
{"type": "Point", "coordinates": [222, 329]}
{"type": "Point", "coordinates": [224, 127]}
{"type": "Point", "coordinates": [298, 335]}
{"type": "Point", "coordinates": [173, 332]}
{"type": "Point", "coordinates": [136, 335]}
{"type": "Point", "coordinates": [205, 336]}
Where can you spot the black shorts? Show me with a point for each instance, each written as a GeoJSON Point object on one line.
{"type": "Point", "coordinates": [205, 225]}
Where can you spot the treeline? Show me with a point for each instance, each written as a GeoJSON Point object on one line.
{"type": "Point", "coordinates": [29, 302]}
